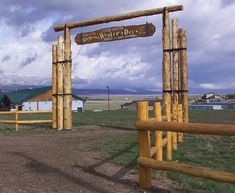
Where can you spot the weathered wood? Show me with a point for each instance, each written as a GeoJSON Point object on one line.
{"type": "Point", "coordinates": [115, 33]}
{"type": "Point", "coordinates": [144, 145]}
{"type": "Point", "coordinates": [166, 63]}
{"type": "Point", "coordinates": [157, 113]}
{"type": "Point", "coordinates": [34, 112]}
{"type": "Point", "coordinates": [154, 149]}
{"type": "Point", "coordinates": [180, 120]}
{"type": "Point", "coordinates": [67, 81]}
{"type": "Point", "coordinates": [8, 121]}
{"type": "Point", "coordinates": [107, 19]}
{"type": "Point", "coordinates": [17, 118]}
{"type": "Point", "coordinates": [174, 134]}
{"type": "Point", "coordinates": [200, 172]}
{"type": "Point", "coordinates": [60, 83]}
{"type": "Point", "coordinates": [34, 121]}
{"type": "Point", "coordinates": [184, 73]}
{"type": "Point", "coordinates": [195, 128]}
{"type": "Point", "coordinates": [7, 112]}
{"type": "Point", "coordinates": [175, 54]}
{"type": "Point", "coordinates": [168, 134]}
{"type": "Point", "coordinates": [54, 86]}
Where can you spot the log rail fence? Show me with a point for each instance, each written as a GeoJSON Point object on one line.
{"type": "Point", "coordinates": [151, 157]}
{"type": "Point", "coordinates": [17, 120]}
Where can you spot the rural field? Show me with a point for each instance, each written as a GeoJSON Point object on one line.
{"type": "Point", "coordinates": [100, 102]}
{"type": "Point", "coordinates": [99, 155]}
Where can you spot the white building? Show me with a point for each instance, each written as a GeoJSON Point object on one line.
{"type": "Point", "coordinates": [77, 105]}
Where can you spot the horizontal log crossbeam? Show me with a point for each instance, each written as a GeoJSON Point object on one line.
{"type": "Point", "coordinates": [107, 19]}
{"type": "Point", "coordinates": [194, 128]}
{"type": "Point", "coordinates": [187, 169]}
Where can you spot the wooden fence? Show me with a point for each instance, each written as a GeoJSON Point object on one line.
{"type": "Point", "coordinates": [17, 121]}
{"type": "Point", "coordinates": [174, 127]}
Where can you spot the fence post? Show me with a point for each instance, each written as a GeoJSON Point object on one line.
{"type": "Point", "coordinates": [158, 134]}
{"type": "Point", "coordinates": [174, 134]}
{"type": "Point", "coordinates": [16, 117]}
{"type": "Point", "coordinates": [60, 84]}
{"type": "Point", "coordinates": [67, 80]}
{"type": "Point", "coordinates": [168, 133]}
{"type": "Point", "coordinates": [144, 145]}
{"type": "Point", "coordinates": [166, 62]}
{"type": "Point", "coordinates": [180, 120]}
{"type": "Point", "coordinates": [184, 73]}
{"type": "Point", "coordinates": [54, 87]}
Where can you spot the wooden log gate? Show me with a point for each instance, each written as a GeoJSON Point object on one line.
{"type": "Point", "coordinates": [62, 62]}
{"type": "Point", "coordinates": [144, 125]}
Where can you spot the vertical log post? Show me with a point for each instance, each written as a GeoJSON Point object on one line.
{"type": "Point", "coordinates": [60, 76]}
{"type": "Point", "coordinates": [175, 43]}
{"type": "Point", "coordinates": [180, 120]}
{"type": "Point", "coordinates": [54, 86]}
{"type": "Point", "coordinates": [144, 145]}
{"type": "Point", "coordinates": [175, 117]}
{"type": "Point", "coordinates": [158, 134]}
{"type": "Point", "coordinates": [16, 117]}
{"type": "Point", "coordinates": [67, 80]}
{"type": "Point", "coordinates": [184, 73]}
{"type": "Point", "coordinates": [166, 64]}
{"type": "Point", "coordinates": [168, 134]}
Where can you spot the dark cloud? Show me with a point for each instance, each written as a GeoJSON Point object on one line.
{"type": "Point", "coordinates": [28, 60]}
{"type": "Point", "coordinates": [6, 58]}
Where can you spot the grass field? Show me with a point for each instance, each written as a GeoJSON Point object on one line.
{"type": "Point", "coordinates": [209, 151]}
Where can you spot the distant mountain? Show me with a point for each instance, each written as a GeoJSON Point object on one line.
{"type": "Point", "coordinates": [114, 91]}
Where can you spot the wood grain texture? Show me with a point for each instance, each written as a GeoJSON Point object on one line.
{"type": "Point", "coordinates": [54, 87]}
{"type": "Point", "coordinates": [67, 81]}
{"type": "Point", "coordinates": [60, 83]}
{"type": "Point", "coordinates": [120, 17]}
{"type": "Point", "coordinates": [144, 145]}
{"type": "Point", "coordinates": [200, 172]}
{"type": "Point", "coordinates": [166, 61]}
{"type": "Point", "coordinates": [194, 128]}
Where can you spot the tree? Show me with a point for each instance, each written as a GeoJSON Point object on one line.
{"type": "Point", "coordinates": [6, 102]}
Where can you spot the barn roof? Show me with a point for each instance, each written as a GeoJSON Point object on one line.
{"type": "Point", "coordinates": [20, 96]}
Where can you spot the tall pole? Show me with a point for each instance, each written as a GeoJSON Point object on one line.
{"type": "Point", "coordinates": [166, 63]}
{"type": "Point", "coordinates": [108, 98]}
{"type": "Point", "coordinates": [54, 87]}
{"type": "Point", "coordinates": [67, 80]}
{"type": "Point", "coordinates": [60, 83]}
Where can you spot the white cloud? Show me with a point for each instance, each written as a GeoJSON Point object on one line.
{"type": "Point", "coordinates": [25, 56]}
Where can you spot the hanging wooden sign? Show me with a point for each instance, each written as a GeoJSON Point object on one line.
{"type": "Point", "coordinates": [115, 33]}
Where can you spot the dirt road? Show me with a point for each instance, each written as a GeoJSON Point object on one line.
{"type": "Point", "coordinates": [51, 163]}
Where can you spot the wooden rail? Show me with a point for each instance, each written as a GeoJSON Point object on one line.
{"type": "Point", "coordinates": [195, 128]}
{"type": "Point", "coordinates": [144, 125]}
{"type": "Point", "coordinates": [187, 169]}
{"type": "Point", "coordinates": [17, 121]}
{"type": "Point", "coordinates": [107, 19]}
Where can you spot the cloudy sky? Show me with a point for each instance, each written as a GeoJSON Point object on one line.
{"type": "Point", "coordinates": [27, 35]}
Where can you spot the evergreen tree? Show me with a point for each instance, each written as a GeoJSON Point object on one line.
{"type": "Point", "coordinates": [6, 102]}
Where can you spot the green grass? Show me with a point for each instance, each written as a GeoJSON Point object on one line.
{"type": "Point", "coordinates": [198, 150]}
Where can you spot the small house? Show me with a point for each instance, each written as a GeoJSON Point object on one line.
{"type": "Point", "coordinates": [211, 97]}
{"type": "Point", "coordinates": [133, 104]}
